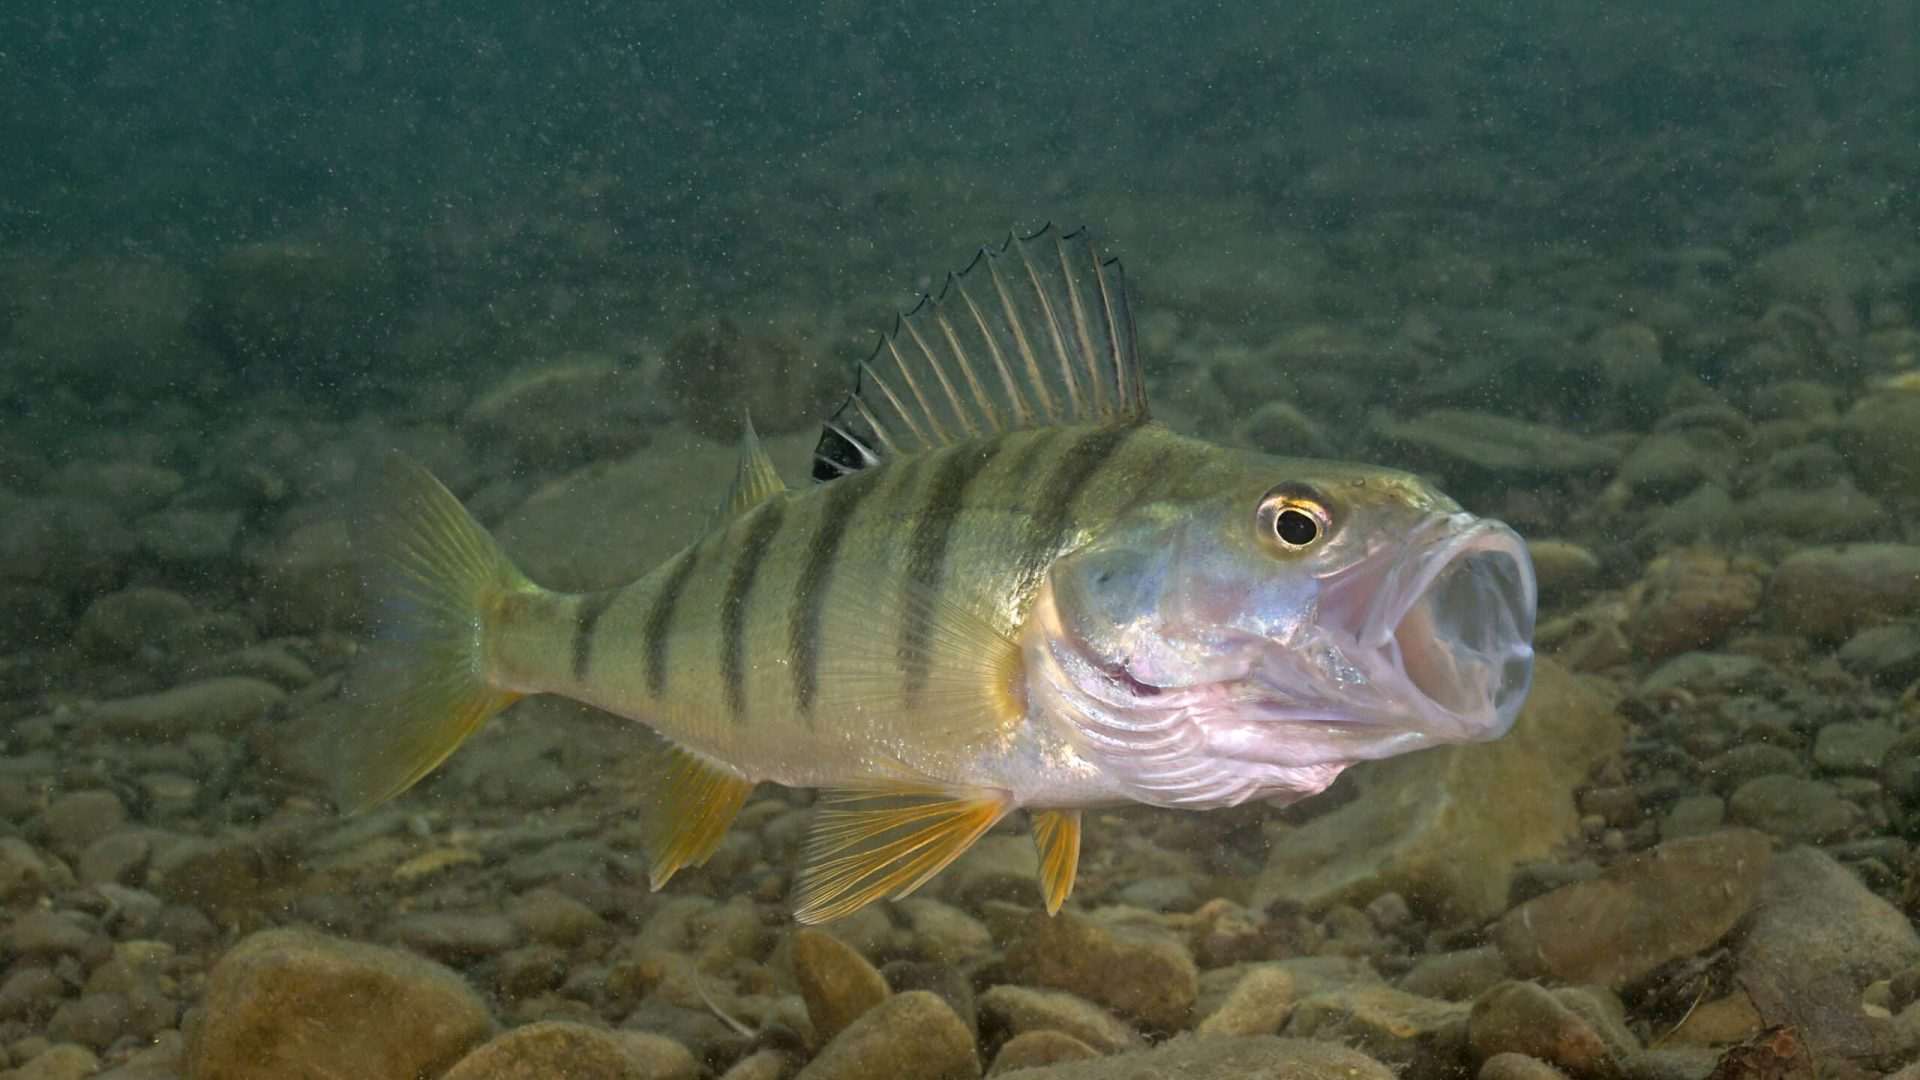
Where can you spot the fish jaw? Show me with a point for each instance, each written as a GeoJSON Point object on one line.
{"type": "Point", "coordinates": [1422, 643]}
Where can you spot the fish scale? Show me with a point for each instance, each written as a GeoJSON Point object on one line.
{"type": "Point", "coordinates": [1009, 590]}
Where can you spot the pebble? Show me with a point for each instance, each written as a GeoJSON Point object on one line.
{"type": "Point", "coordinates": [1150, 980]}
{"type": "Point", "coordinates": [1835, 592]}
{"type": "Point", "coordinates": [295, 1003]}
{"type": "Point", "coordinates": [226, 704]}
{"type": "Point", "coordinates": [1888, 655]}
{"type": "Point", "coordinates": [62, 1061]}
{"type": "Point", "coordinates": [942, 932]}
{"type": "Point", "coordinates": [1525, 1018]}
{"type": "Point", "coordinates": [1229, 1057]}
{"type": "Point", "coordinates": [1673, 901]}
{"type": "Point", "coordinates": [1388, 1024]}
{"type": "Point", "coordinates": [1509, 1066]}
{"type": "Point", "coordinates": [23, 873]}
{"type": "Point", "coordinates": [30, 992]}
{"type": "Point", "coordinates": [555, 918]}
{"type": "Point", "coordinates": [553, 1048]}
{"type": "Point", "coordinates": [453, 937]}
{"type": "Point", "coordinates": [529, 971]}
{"type": "Point", "coordinates": [1688, 600]}
{"type": "Point", "coordinates": [837, 983]}
{"type": "Point", "coordinates": [1016, 1010]}
{"type": "Point", "coordinates": [1033, 1049]}
{"type": "Point", "coordinates": [1259, 1004]}
{"type": "Point", "coordinates": [1792, 808]}
{"type": "Point", "coordinates": [911, 1034]}
{"type": "Point", "coordinates": [1561, 567]}
{"type": "Point", "coordinates": [78, 818]}
{"type": "Point", "coordinates": [1693, 815]}
{"type": "Point", "coordinates": [1853, 747]}
{"type": "Point", "coordinates": [1461, 975]}
{"type": "Point", "coordinates": [46, 935]}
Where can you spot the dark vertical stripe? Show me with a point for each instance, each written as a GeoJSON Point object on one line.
{"type": "Point", "coordinates": [1053, 514]}
{"type": "Point", "coordinates": [660, 619]}
{"type": "Point", "coordinates": [927, 547]}
{"type": "Point", "coordinates": [842, 499]}
{"type": "Point", "coordinates": [733, 607]}
{"type": "Point", "coordinates": [585, 620]}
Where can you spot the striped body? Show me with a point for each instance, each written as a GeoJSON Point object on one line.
{"type": "Point", "coordinates": [732, 647]}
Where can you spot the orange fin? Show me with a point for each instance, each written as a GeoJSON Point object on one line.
{"type": "Point", "coordinates": [1057, 834]}
{"type": "Point", "coordinates": [697, 800]}
{"type": "Point", "coordinates": [886, 841]}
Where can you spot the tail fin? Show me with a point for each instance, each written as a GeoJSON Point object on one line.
{"type": "Point", "coordinates": [434, 582]}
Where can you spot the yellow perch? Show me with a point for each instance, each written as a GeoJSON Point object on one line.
{"type": "Point", "coordinates": [1009, 589]}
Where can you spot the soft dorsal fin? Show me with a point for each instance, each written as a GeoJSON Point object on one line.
{"type": "Point", "coordinates": [754, 481]}
{"type": "Point", "coordinates": [1032, 333]}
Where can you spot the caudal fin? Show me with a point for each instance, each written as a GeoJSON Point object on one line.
{"type": "Point", "coordinates": [435, 583]}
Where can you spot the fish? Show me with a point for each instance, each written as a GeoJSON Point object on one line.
{"type": "Point", "coordinates": [1007, 590]}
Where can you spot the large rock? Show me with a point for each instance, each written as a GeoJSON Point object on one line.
{"type": "Point", "coordinates": [1151, 980]}
{"type": "Point", "coordinates": [1244, 1057]}
{"type": "Point", "coordinates": [550, 1049]}
{"type": "Point", "coordinates": [223, 705]}
{"type": "Point", "coordinates": [912, 1034]}
{"type": "Point", "coordinates": [1817, 939]}
{"type": "Point", "coordinates": [580, 407]}
{"type": "Point", "coordinates": [837, 983]}
{"type": "Point", "coordinates": [1671, 902]}
{"type": "Point", "coordinates": [291, 1003]}
{"type": "Point", "coordinates": [1881, 436]}
{"type": "Point", "coordinates": [1430, 825]}
{"type": "Point", "coordinates": [1834, 592]}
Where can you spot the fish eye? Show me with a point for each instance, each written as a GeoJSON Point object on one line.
{"type": "Point", "coordinates": [1292, 518]}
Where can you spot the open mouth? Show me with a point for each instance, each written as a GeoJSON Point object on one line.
{"type": "Point", "coordinates": [1452, 624]}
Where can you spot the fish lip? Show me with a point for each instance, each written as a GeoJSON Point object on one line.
{"type": "Point", "coordinates": [1407, 640]}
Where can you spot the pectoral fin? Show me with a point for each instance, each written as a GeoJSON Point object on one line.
{"type": "Point", "coordinates": [1057, 834]}
{"type": "Point", "coordinates": [695, 802]}
{"type": "Point", "coordinates": [884, 842]}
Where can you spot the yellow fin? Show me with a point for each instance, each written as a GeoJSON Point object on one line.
{"type": "Point", "coordinates": [437, 586]}
{"type": "Point", "coordinates": [695, 803]}
{"type": "Point", "coordinates": [885, 842]}
{"type": "Point", "coordinates": [755, 480]}
{"type": "Point", "coordinates": [1057, 834]}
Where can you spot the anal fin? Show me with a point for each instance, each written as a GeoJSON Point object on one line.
{"type": "Point", "coordinates": [886, 841]}
{"type": "Point", "coordinates": [1057, 834]}
{"type": "Point", "coordinates": [696, 801]}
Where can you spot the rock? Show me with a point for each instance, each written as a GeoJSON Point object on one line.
{"type": "Point", "coordinates": [1817, 939]}
{"type": "Point", "coordinates": [1665, 466]}
{"type": "Point", "coordinates": [1505, 1066]}
{"type": "Point", "coordinates": [1422, 825]}
{"type": "Point", "coordinates": [1524, 1018]}
{"type": "Point", "coordinates": [129, 622]}
{"type": "Point", "coordinates": [1793, 808]}
{"type": "Point", "coordinates": [1033, 1049]}
{"type": "Point", "coordinates": [1456, 976]}
{"type": "Point", "coordinates": [63, 1061]}
{"type": "Point", "coordinates": [454, 937]}
{"type": "Point", "coordinates": [30, 992]}
{"type": "Point", "coordinates": [556, 918]}
{"type": "Point", "coordinates": [911, 1034]}
{"type": "Point", "coordinates": [942, 932]}
{"type": "Point", "coordinates": [1888, 655]}
{"type": "Point", "coordinates": [1674, 901]}
{"type": "Point", "coordinates": [45, 935]}
{"type": "Point", "coordinates": [100, 1018]}
{"type": "Point", "coordinates": [106, 325]}
{"type": "Point", "coordinates": [1706, 516]}
{"type": "Point", "coordinates": [1832, 513]}
{"type": "Point", "coordinates": [1478, 446]}
{"type": "Point", "coordinates": [293, 1003]}
{"type": "Point", "coordinates": [529, 971]}
{"type": "Point", "coordinates": [309, 579]}
{"type": "Point", "coordinates": [1016, 1010]}
{"type": "Point", "coordinates": [23, 873]}
{"type": "Point", "coordinates": [1704, 671]}
{"type": "Point", "coordinates": [71, 545]}
{"type": "Point", "coordinates": [1562, 567]}
{"type": "Point", "coordinates": [716, 373]}
{"type": "Point", "coordinates": [77, 819]}
{"type": "Point", "coordinates": [1835, 592]}
{"type": "Point", "coordinates": [1248, 1057]}
{"type": "Point", "coordinates": [1390, 1025]}
{"type": "Point", "coordinates": [1259, 1004]}
{"type": "Point", "coordinates": [1877, 437]}
{"type": "Point", "coordinates": [318, 315]}
{"type": "Point", "coordinates": [836, 982]}
{"type": "Point", "coordinates": [1853, 747]}
{"type": "Point", "coordinates": [1151, 980]}
{"type": "Point", "coordinates": [1693, 815]}
{"type": "Point", "coordinates": [190, 538]}
{"type": "Point", "coordinates": [999, 867]}
{"type": "Point", "coordinates": [223, 706]}
{"type": "Point", "coordinates": [223, 876]}
{"type": "Point", "coordinates": [1688, 600]}
{"type": "Point", "coordinates": [1280, 427]}
{"type": "Point", "coordinates": [554, 1048]}
{"type": "Point", "coordinates": [577, 408]}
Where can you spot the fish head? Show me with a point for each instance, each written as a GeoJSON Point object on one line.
{"type": "Point", "coordinates": [1281, 621]}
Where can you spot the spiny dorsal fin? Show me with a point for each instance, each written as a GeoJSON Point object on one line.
{"type": "Point", "coordinates": [1032, 333]}
{"type": "Point", "coordinates": [754, 481]}
{"type": "Point", "coordinates": [695, 800]}
{"type": "Point", "coordinates": [885, 841]}
{"type": "Point", "coordinates": [1056, 833]}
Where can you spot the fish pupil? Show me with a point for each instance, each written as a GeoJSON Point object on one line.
{"type": "Point", "coordinates": [1295, 528]}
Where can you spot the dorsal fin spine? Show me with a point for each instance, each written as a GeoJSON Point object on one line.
{"type": "Point", "coordinates": [1019, 329]}
{"type": "Point", "coordinates": [900, 409]}
{"type": "Point", "coordinates": [975, 391]}
{"type": "Point", "coordinates": [1052, 319]}
{"type": "Point", "coordinates": [913, 387]}
{"type": "Point", "coordinates": [946, 384]}
{"type": "Point", "coordinates": [1022, 416]}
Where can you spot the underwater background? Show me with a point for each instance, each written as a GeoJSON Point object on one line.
{"type": "Point", "coordinates": [1641, 279]}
